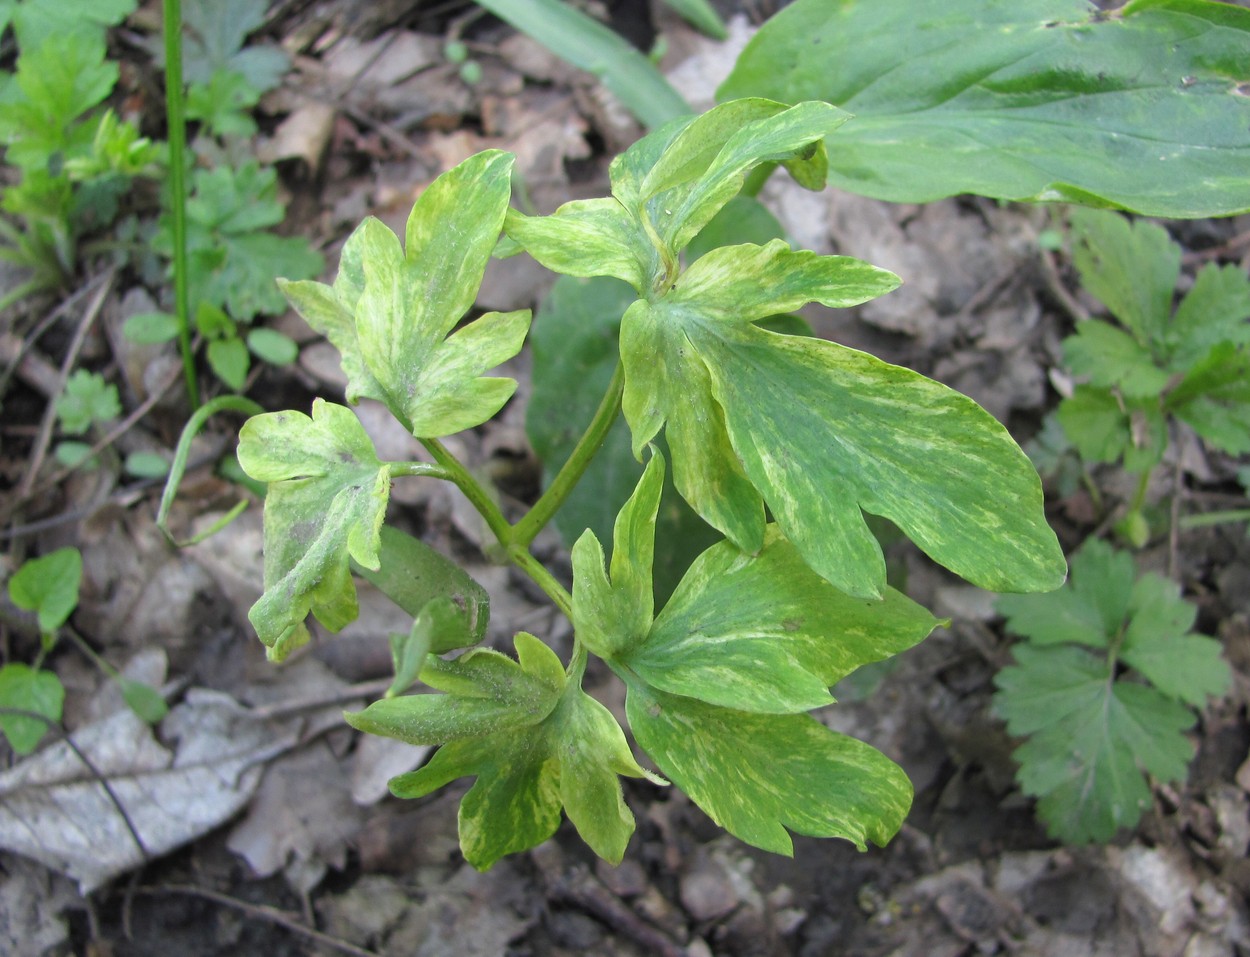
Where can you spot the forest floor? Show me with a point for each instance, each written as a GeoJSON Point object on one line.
{"type": "Point", "coordinates": [298, 849]}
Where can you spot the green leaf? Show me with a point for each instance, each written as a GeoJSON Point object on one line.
{"type": "Point", "coordinates": [440, 626]}
{"type": "Point", "coordinates": [1039, 99]}
{"type": "Point", "coordinates": [223, 104]}
{"type": "Point", "coordinates": [744, 219]}
{"type": "Point", "coordinates": [533, 740]}
{"type": "Point", "coordinates": [1092, 739]}
{"type": "Point", "coordinates": [412, 574]}
{"type": "Point", "coordinates": [75, 455]}
{"type": "Point", "coordinates": [87, 399]}
{"type": "Point", "coordinates": [589, 45]}
{"type": "Point", "coordinates": [147, 465]}
{"type": "Point", "coordinates": [702, 15]}
{"type": "Point", "coordinates": [272, 346]}
{"type": "Point", "coordinates": [229, 360]}
{"type": "Point", "coordinates": [764, 633]}
{"type": "Point", "coordinates": [1089, 610]}
{"type": "Point", "coordinates": [1157, 643]}
{"type": "Point", "coordinates": [573, 343]}
{"type": "Point", "coordinates": [150, 328]}
{"type": "Point", "coordinates": [1110, 357]}
{"type": "Point", "coordinates": [214, 33]}
{"type": "Point", "coordinates": [57, 81]}
{"type": "Point", "coordinates": [747, 410]}
{"type": "Point", "coordinates": [26, 689]}
{"type": "Point", "coordinates": [1214, 310]}
{"type": "Point", "coordinates": [144, 700]}
{"type": "Point", "coordinates": [1214, 398]}
{"type": "Point", "coordinates": [789, 771]}
{"type": "Point", "coordinates": [1131, 267]}
{"type": "Point", "coordinates": [35, 21]}
{"type": "Point", "coordinates": [1105, 427]}
{"type": "Point", "coordinates": [391, 309]}
{"type": "Point", "coordinates": [327, 498]}
{"type": "Point", "coordinates": [48, 586]}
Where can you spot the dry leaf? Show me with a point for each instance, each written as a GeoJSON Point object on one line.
{"type": "Point", "coordinates": [53, 808]}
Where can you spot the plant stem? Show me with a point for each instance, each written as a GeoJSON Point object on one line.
{"type": "Point", "coordinates": [536, 570]}
{"type": "Point", "coordinates": [398, 469]}
{"type": "Point", "coordinates": [1139, 496]}
{"type": "Point", "coordinates": [478, 497]}
{"type": "Point", "coordinates": [1215, 518]}
{"type": "Point", "coordinates": [533, 521]}
{"type": "Point", "coordinates": [178, 188]}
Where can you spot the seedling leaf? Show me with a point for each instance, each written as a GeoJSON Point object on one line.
{"type": "Point", "coordinates": [48, 586]}
{"type": "Point", "coordinates": [87, 399]}
{"type": "Point", "coordinates": [26, 689]}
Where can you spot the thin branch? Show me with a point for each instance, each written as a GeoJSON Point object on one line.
{"type": "Point", "coordinates": [261, 912]}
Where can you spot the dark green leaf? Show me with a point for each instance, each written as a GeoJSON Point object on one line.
{"type": "Point", "coordinates": [1109, 357]}
{"type": "Point", "coordinates": [48, 586]}
{"type": "Point", "coordinates": [788, 771]}
{"type": "Point", "coordinates": [214, 34]}
{"type": "Point", "coordinates": [24, 688]}
{"type": "Point", "coordinates": [1037, 99]}
{"type": "Point", "coordinates": [1214, 310]}
{"type": "Point", "coordinates": [327, 498]}
{"type": "Point", "coordinates": [1214, 398]}
{"type": "Point", "coordinates": [440, 626]}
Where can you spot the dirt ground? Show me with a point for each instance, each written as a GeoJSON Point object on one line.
{"type": "Point", "coordinates": [280, 836]}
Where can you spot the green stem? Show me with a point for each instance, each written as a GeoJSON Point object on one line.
{"type": "Point", "coordinates": [178, 189]}
{"type": "Point", "coordinates": [478, 497]}
{"type": "Point", "coordinates": [397, 469]}
{"type": "Point", "coordinates": [536, 570]}
{"type": "Point", "coordinates": [1215, 518]}
{"type": "Point", "coordinates": [1139, 496]}
{"type": "Point", "coordinates": [533, 521]}
{"type": "Point", "coordinates": [756, 179]}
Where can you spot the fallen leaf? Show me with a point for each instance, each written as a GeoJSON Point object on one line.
{"type": "Point", "coordinates": [56, 810]}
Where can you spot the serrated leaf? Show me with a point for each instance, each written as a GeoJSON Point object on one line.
{"type": "Point", "coordinates": [48, 586]}
{"type": "Point", "coordinates": [57, 80]}
{"type": "Point", "coordinates": [747, 410]}
{"type": "Point", "coordinates": [26, 689]}
{"type": "Point", "coordinates": [1157, 643]}
{"type": "Point", "coordinates": [1089, 609]}
{"type": "Point", "coordinates": [1092, 739]}
{"type": "Point", "coordinates": [1131, 266]}
{"type": "Point", "coordinates": [533, 740]}
{"type": "Point", "coordinates": [35, 21]}
{"type": "Point", "coordinates": [789, 771]}
{"type": "Point", "coordinates": [326, 501]}
{"type": "Point", "coordinates": [1040, 99]}
{"type": "Point", "coordinates": [1104, 427]}
{"type": "Point", "coordinates": [1214, 310]}
{"type": "Point", "coordinates": [214, 35]}
{"type": "Point", "coordinates": [1109, 357]}
{"type": "Point", "coordinates": [1214, 398]}
{"type": "Point", "coordinates": [87, 399]}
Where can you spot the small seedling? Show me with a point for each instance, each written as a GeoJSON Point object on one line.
{"type": "Point", "coordinates": [1156, 364]}
{"type": "Point", "coordinates": [1103, 691]}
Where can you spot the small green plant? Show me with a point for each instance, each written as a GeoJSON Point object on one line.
{"type": "Point", "coordinates": [1103, 691]}
{"type": "Point", "coordinates": [31, 698]}
{"type": "Point", "coordinates": [1157, 364]}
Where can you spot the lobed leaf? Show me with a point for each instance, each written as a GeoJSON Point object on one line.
{"type": "Point", "coordinates": [1214, 398]}
{"type": "Point", "coordinates": [326, 502]}
{"type": "Point", "coordinates": [788, 771]}
{"type": "Point", "coordinates": [747, 410]}
{"type": "Point", "coordinates": [391, 308]}
{"type": "Point", "coordinates": [534, 741]}
{"type": "Point", "coordinates": [1143, 108]}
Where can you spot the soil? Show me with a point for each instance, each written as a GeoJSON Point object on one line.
{"type": "Point", "coordinates": [313, 858]}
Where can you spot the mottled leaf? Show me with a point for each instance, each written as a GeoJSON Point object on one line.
{"type": "Point", "coordinates": [326, 501]}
